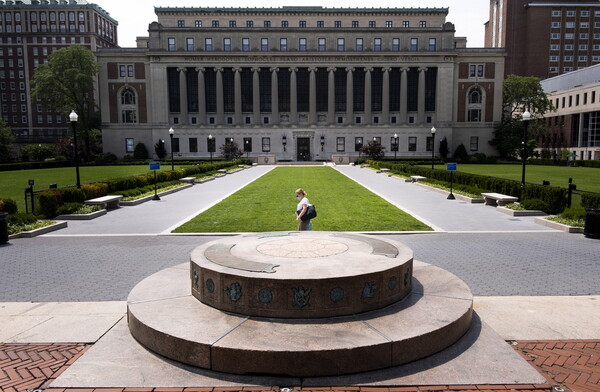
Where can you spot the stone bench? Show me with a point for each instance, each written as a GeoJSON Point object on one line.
{"type": "Point", "coordinates": [222, 171]}
{"type": "Point", "coordinates": [385, 170]}
{"type": "Point", "coordinates": [110, 201]}
{"type": "Point", "coordinates": [417, 178]}
{"type": "Point", "coordinates": [189, 180]}
{"type": "Point", "coordinates": [498, 199]}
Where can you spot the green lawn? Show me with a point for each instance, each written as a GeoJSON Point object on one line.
{"type": "Point", "coordinates": [13, 183]}
{"type": "Point", "coordinates": [269, 204]}
{"type": "Point", "coordinates": [585, 178]}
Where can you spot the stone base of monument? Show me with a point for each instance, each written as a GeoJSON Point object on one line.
{"type": "Point", "coordinates": [301, 304]}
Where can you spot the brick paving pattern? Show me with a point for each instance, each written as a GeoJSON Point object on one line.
{"type": "Point", "coordinates": [573, 364]}
{"type": "Point", "coordinates": [24, 367]}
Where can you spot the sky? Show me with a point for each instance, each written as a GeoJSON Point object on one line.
{"type": "Point", "coordinates": [134, 16]}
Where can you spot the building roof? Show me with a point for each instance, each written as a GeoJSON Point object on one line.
{"type": "Point", "coordinates": [577, 78]}
{"type": "Point", "coordinates": [55, 4]}
{"type": "Point", "coordinates": [301, 10]}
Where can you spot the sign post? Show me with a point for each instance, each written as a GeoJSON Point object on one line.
{"type": "Point", "coordinates": [451, 167]}
{"type": "Point", "coordinates": [154, 166]}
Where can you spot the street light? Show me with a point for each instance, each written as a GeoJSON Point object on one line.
{"type": "Point", "coordinates": [395, 145]}
{"type": "Point", "coordinates": [171, 132]}
{"type": "Point", "coordinates": [74, 117]}
{"type": "Point", "coordinates": [210, 146]}
{"type": "Point", "coordinates": [432, 145]}
{"type": "Point", "coordinates": [247, 147]}
{"type": "Point", "coordinates": [526, 118]}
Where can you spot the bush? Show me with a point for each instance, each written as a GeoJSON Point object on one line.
{"type": "Point", "coordinates": [8, 205]}
{"type": "Point", "coordinates": [68, 208]}
{"type": "Point", "coordinates": [478, 158]}
{"type": "Point", "coordinates": [73, 195]}
{"type": "Point", "coordinates": [140, 151]}
{"type": "Point", "coordinates": [535, 204]}
{"type": "Point", "coordinates": [95, 190]}
{"type": "Point", "coordinates": [575, 212]}
{"type": "Point", "coordinates": [21, 219]}
{"type": "Point", "coordinates": [48, 203]}
{"type": "Point", "coordinates": [460, 154]}
{"type": "Point", "coordinates": [590, 200]}
{"type": "Point", "coordinates": [107, 157]}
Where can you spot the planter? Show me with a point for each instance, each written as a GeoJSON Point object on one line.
{"type": "Point", "coordinates": [558, 226]}
{"type": "Point", "coordinates": [89, 216]}
{"type": "Point", "coordinates": [510, 212]}
{"type": "Point", "coordinates": [471, 200]}
{"type": "Point", "coordinates": [592, 223]}
{"type": "Point", "coordinates": [40, 231]}
{"type": "Point", "coordinates": [147, 198]}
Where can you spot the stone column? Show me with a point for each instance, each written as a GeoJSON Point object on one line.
{"type": "Point", "coordinates": [220, 103]}
{"type": "Point", "coordinates": [403, 95]}
{"type": "Point", "coordinates": [274, 95]}
{"type": "Point", "coordinates": [201, 96]}
{"type": "Point", "coordinates": [293, 97]}
{"type": "Point", "coordinates": [421, 96]}
{"type": "Point", "coordinates": [312, 95]}
{"type": "Point", "coordinates": [349, 96]}
{"type": "Point", "coordinates": [237, 99]}
{"type": "Point", "coordinates": [255, 96]}
{"type": "Point", "coordinates": [580, 141]}
{"type": "Point", "coordinates": [368, 103]}
{"type": "Point", "coordinates": [385, 96]}
{"type": "Point", "coordinates": [331, 96]}
{"type": "Point", "coordinates": [183, 101]}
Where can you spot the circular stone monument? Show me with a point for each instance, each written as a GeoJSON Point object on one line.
{"type": "Point", "coordinates": [300, 304]}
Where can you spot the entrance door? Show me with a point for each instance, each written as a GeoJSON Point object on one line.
{"type": "Point", "coordinates": [303, 148]}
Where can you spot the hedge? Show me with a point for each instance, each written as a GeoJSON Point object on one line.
{"type": "Point", "coordinates": [562, 162]}
{"type": "Point", "coordinates": [555, 197]}
{"type": "Point", "coordinates": [590, 200]}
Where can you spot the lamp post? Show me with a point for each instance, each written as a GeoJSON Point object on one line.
{"type": "Point", "coordinates": [171, 132]}
{"type": "Point", "coordinates": [526, 118]}
{"type": "Point", "coordinates": [210, 146]}
{"type": "Point", "coordinates": [73, 117]}
{"type": "Point", "coordinates": [395, 145]}
{"type": "Point", "coordinates": [247, 148]}
{"type": "Point", "coordinates": [432, 145]}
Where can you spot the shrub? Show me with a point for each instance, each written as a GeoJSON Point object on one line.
{"type": "Point", "coordinates": [68, 208]}
{"type": "Point", "coordinates": [8, 205]}
{"type": "Point", "coordinates": [95, 190]}
{"type": "Point", "coordinates": [21, 219]}
{"type": "Point", "coordinates": [107, 157]}
{"type": "Point", "coordinates": [140, 151]}
{"type": "Point", "coordinates": [48, 203]}
{"type": "Point", "coordinates": [460, 154]}
{"type": "Point", "coordinates": [590, 200]}
{"type": "Point", "coordinates": [73, 195]}
{"type": "Point", "coordinates": [535, 204]}
{"type": "Point", "coordinates": [575, 212]}
{"type": "Point", "coordinates": [478, 158]}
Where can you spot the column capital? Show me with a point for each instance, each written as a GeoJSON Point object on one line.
{"type": "Point", "coordinates": [199, 69]}
{"type": "Point", "coordinates": [237, 69]}
{"type": "Point", "coordinates": [292, 69]}
{"type": "Point", "coordinates": [404, 69]}
{"type": "Point", "coordinates": [218, 69]}
{"type": "Point", "coordinates": [422, 69]}
{"type": "Point", "coordinates": [182, 69]}
{"type": "Point", "coordinates": [349, 69]}
{"type": "Point", "coordinates": [255, 69]}
{"type": "Point", "coordinates": [274, 69]}
{"type": "Point", "coordinates": [368, 69]}
{"type": "Point", "coordinates": [331, 69]}
{"type": "Point", "coordinates": [312, 69]}
{"type": "Point", "coordinates": [386, 69]}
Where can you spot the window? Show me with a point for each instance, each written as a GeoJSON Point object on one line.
{"type": "Point", "coordinates": [122, 71]}
{"type": "Point", "coordinates": [227, 44]}
{"type": "Point", "coordinates": [128, 106]}
{"type": "Point", "coordinates": [208, 44]}
{"type": "Point", "coordinates": [320, 24]}
{"type": "Point", "coordinates": [396, 44]}
{"type": "Point", "coordinates": [556, 13]}
{"type": "Point", "coordinates": [181, 23]}
{"type": "Point", "coordinates": [337, 23]}
{"type": "Point", "coordinates": [554, 47]}
{"type": "Point", "coordinates": [582, 58]}
{"type": "Point", "coordinates": [569, 36]}
{"type": "Point", "coordinates": [474, 143]}
{"type": "Point", "coordinates": [553, 70]}
{"type": "Point", "coordinates": [322, 46]}
{"type": "Point", "coordinates": [129, 145]}
{"type": "Point", "coordinates": [567, 69]}
{"type": "Point", "coordinates": [422, 24]}
{"type": "Point", "coordinates": [474, 105]}
{"type": "Point", "coordinates": [412, 143]}
{"type": "Point", "coordinates": [389, 24]}
{"type": "Point", "coordinates": [584, 36]}
{"type": "Point", "coordinates": [406, 24]}
{"type": "Point", "coordinates": [554, 36]}
{"type": "Point", "coordinates": [232, 23]}
{"type": "Point", "coordinates": [266, 144]}
{"type": "Point", "coordinates": [284, 23]}
{"type": "Point", "coordinates": [570, 13]}
{"type": "Point", "coordinates": [175, 141]}
{"type": "Point", "coordinates": [584, 25]}
{"type": "Point", "coordinates": [569, 47]}
{"type": "Point", "coordinates": [302, 24]}
{"type": "Point", "coordinates": [198, 23]}
{"type": "Point", "coordinates": [372, 24]}
{"type": "Point", "coordinates": [568, 58]}
{"type": "Point", "coordinates": [189, 44]}
{"type": "Point", "coordinates": [249, 23]}
{"type": "Point", "coordinates": [264, 44]}
{"type": "Point", "coordinates": [341, 44]}
{"type": "Point", "coordinates": [414, 44]}
{"type": "Point", "coordinates": [283, 44]}
{"type": "Point", "coordinates": [267, 24]}
{"type": "Point", "coordinates": [585, 13]}
{"type": "Point", "coordinates": [130, 70]}
{"type": "Point", "coordinates": [359, 44]}
{"type": "Point", "coordinates": [341, 144]}
{"type": "Point", "coordinates": [245, 44]}
{"type": "Point", "coordinates": [355, 24]}
{"type": "Point", "coordinates": [570, 25]}
{"type": "Point", "coordinates": [553, 59]}
{"type": "Point", "coordinates": [432, 44]}
{"type": "Point", "coordinates": [302, 44]}
{"type": "Point", "coordinates": [377, 44]}
{"type": "Point", "coordinates": [215, 23]}
{"type": "Point", "coordinates": [556, 25]}
{"type": "Point", "coordinates": [358, 143]}
{"type": "Point", "coordinates": [171, 44]}
{"type": "Point", "coordinates": [193, 144]}
{"type": "Point", "coordinates": [476, 70]}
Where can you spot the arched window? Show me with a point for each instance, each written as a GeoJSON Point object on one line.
{"type": "Point", "coordinates": [128, 106]}
{"type": "Point", "coordinates": [474, 104]}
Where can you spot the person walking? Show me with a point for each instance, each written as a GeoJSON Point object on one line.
{"type": "Point", "coordinates": [302, 209]}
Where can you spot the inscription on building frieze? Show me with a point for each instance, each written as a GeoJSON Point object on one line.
{"type": "Point", "coordinates": [301, 59]}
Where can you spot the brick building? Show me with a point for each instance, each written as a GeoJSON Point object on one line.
{"type": "Point", "coordinates": [545, 38]}
{"type": "Point", "coordinates": [300, 83]}
{"type": "Point", "coordinates": [30, 30]}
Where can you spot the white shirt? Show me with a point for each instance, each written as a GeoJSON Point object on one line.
{"type": "Point", "coordinates": [303, 201]}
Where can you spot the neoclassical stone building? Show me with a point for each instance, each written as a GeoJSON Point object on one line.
{"type": "Point", "coordinates": [300, 83]}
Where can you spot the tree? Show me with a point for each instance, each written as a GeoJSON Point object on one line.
{"type": "Point", "coordinates": [140, 151]}
{"type": "Point", "coordinates": [6, 140]}
{"type": "Point", "coordinates": [37, 152]}
{"type": "Point", "coordinates": [231, 150]}
{"type": "Point", "coordinates": [373, 150]}
{"type": "Point", "coordinates": [520, 93]}
{"type": "Point", "coordinates": [160, 150]}
{"type": "Point", "coordinates": [444, 148]}
{"type": "Point", "coordinates": [66, 83]}
{"type": "Point", "coordinates": [460, 154]}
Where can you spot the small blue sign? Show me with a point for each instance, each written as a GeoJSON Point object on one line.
{"type": "Point", "coordinates": [451, 166]}
{"type": "Point", "coordinates": [154, 165]}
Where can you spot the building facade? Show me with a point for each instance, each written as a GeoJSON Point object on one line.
{"type": "Point", "coordinates": [545, 38]}
{"type": "Point", "coordinates": [30, 30]}
{"type": "Point", "coordinates": [300, 83]}
{"type": "Point", "coordinates": [575, 125]}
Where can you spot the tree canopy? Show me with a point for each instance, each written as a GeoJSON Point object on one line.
{"type": "Point", "coordinates": [66, 83]}
{"type": "Point", "coordinates": [6, 140]}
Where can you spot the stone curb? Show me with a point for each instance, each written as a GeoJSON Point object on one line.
{"type": "Point", "coordinates": [468, 199]}
{"type": "Point", "coordinates": [558, 226]}
{"type": "Point", "coordinates": [90, 216]}
{"type": "Point", "coordinates": [40, 231]}
{"type": "Point", "coordinates": [510, 212]}
{"type": "Point", "coordinates": [148, 198]}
